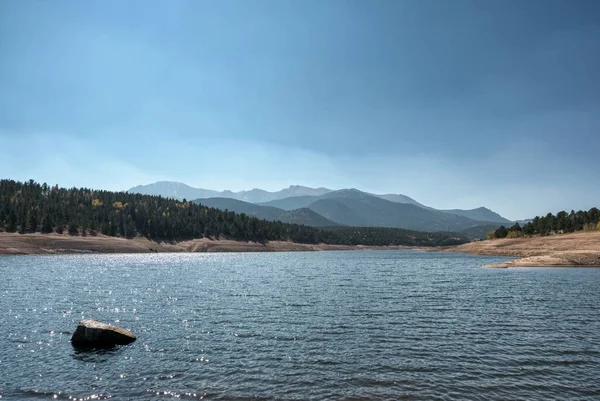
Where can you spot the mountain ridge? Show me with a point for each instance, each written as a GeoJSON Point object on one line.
{"type": "Point", "coordinates": [351, 208]}
{"type": "Point", "coordinates": [302, 216]}
{"type": "Point", "coordinates": [481, 213]}
{"type": "Point", "coordinates": [179, 190]}
{"type": "Point", "coordinates": [298, 197]}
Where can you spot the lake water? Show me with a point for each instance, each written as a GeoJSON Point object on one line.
{"type": "Point", "coordinates": [358, 325]}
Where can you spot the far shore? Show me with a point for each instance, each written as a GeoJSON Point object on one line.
{"type": "Point", "coordinates": [577, 249]}
{"type": "Point", "coordinates": [580, 249]}
{"type": "Point", "coordinates": [42, 244]}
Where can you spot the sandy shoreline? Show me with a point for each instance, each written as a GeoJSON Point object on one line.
{"type": "Point", "coordinates": [40, 244]}
{"type": "Point", "coordinates": [576, 249]}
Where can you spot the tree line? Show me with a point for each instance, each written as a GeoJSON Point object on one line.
{"type": "Point", "coordinates": [562, 222]}
{"type": "Point", "coordinates": [30, 207]}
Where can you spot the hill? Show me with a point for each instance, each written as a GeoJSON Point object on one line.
{"type": "Point", "coordinates": [31, 208]}
{"type": "Point", "coordinates": [399, 198]}
{"type": "Point", "coordinates": [349, 207]}
{"type": "Point", "coordinates": [574, 249]}
{"type": "Point", "coordinates": [178, 190]}
{"type": "Point", "coordinates": [302, 216]}
{"type": "Point", "coordinates": [356, 208]}
{"type": "Point", "coordinates": [175, 190]}
{"type": "Point", "coordinates": [544, 241]}
{"type": "Point", "coordinates": [480, 214]}
{"type": "Point", "coordinates": [303, 201]}
{"type": "Point", "coordinates": [352, 207]}
{"type": "Point", "coordinates": [306, 217]}
{"type": "Point", "coordinates": [234, 205]}
{"type": "Point", "coordinates": [480, 231]}
{"type": "Point", "coordinates": [293, 202]}
{"type": "Point", "coordinates": [377, 212]}
{"type": "Point", "coordinates": [341, 213]}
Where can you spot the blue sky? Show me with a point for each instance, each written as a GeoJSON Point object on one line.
{"type": "Point", "coordinates": [457, 104]}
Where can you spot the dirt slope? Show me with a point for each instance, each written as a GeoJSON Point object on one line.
{"type": "Point", "coordinates": [577, 249]}
{"type": "Point", "coordinates": [33, 244]}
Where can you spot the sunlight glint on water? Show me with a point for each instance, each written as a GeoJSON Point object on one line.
{"type": "Point", "coordinates": [322, 325]}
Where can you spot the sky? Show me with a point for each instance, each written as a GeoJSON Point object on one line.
{"type": "Point", "coordinates": [457, 104]}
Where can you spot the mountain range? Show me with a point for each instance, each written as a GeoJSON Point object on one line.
{"type": "Point", "coordinates": [302, 215]}
{"type": "Point", "coordinates": [181, 191]}
{"type": "Point", "coordinates": [322, 207]}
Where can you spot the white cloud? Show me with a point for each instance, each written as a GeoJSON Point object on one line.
{"type": "Point", "coordinates": [500, 181]}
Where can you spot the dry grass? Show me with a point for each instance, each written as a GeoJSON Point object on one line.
{"type": "Point", "coordinates": [29, 244]}
{"type": "Point", "coordinates": [32, 244]}
{"type": "Point", "coordinates": [577, 249]}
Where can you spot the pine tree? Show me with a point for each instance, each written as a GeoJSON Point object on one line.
{"type": "Point", "coordinates": [12, 222]}
{"type": "Point", "coordinates": [47, 226]}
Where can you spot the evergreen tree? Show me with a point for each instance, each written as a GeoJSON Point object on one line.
{"type": "Point", "coordinates": [47, 226]}
{"type": "Point", "coordinates": [33, 221]}
{"type": "Point", "coordinates": [501, 232]}
{"type": "Point", "coordinates": [12, 222]}
{"type": "Point", "coordinates": [93, 228]}
{"type": "Point", "coordinates": [29, 206]}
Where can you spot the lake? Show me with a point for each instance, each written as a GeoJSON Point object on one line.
{"type": "Point", "coordinates": [354, 325]}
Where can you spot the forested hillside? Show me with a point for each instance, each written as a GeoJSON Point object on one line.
{"type": "Point", "coordinates": [303, 216]}
{"type": "Point", "coordinates": [479, 214]}
{"type": "Point", "coordinates": [351, 207]}
{"type": "Point", "coordinates": [32, 207]}
{"type": "Point", "coordinates": [562, 222]}
{"type": "Point", "coordinates": [346, 207]}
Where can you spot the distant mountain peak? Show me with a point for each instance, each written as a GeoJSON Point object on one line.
{"type": "Point", "coordinates": [399, 198]}
{"type": "Point", "coordinates": [302, 216]}
{"type": "Point", "coordinates": [349, 191]}
{"type": "Point", "coordinates": [180, 190]}
{"type": "Point", "coordinates": [481, 213]}
{"type": "Point", "coordinates": [299, 196]}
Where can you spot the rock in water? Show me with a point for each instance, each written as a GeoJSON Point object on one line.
{"type": "Point", "coordinates": [93, 333]}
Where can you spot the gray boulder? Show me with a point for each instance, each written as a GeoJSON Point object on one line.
{"type": "Point", "coordinates": [92, 333]}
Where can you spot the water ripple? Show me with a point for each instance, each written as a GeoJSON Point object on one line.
{"type": "Point", "coordinates": [299, 326]}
